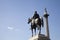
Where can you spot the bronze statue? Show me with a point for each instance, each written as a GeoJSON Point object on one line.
{"type": "Point", "coordinates": [36, 22]}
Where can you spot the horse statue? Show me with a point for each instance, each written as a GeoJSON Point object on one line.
{"type": "Point", "coordinates": [36, 23]}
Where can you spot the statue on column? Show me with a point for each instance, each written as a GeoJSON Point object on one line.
{"type": "Point", "coordinates": [36, 22]}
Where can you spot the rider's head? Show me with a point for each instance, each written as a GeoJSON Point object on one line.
{"type": "Point", "coordinates": [35, 12]}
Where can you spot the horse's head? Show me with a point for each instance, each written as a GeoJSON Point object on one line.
{"type": "Point", "coordinates": [29, 20]}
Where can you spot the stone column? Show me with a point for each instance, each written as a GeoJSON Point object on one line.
{"type": "Point", "coordinates": [46, 22]}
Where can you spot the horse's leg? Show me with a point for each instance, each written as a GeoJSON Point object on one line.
{"type": "Point", "coordinates": [35, 31]}
{"type": "Point", "coordinates": [40, 30]}
{"type": "Point", "coordinates": [32, 32]}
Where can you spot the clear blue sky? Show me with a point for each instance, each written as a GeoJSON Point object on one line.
{"type": "Point", "coordinates": [14, 15]}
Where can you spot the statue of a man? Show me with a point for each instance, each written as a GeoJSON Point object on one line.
{"type": "Point", "coordinates": [36, 15]}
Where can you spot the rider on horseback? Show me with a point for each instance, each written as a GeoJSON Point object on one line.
{"type": "Point", "coordinates": [36, 22]}
{"type": "Point", "coordinates": [36, 18]}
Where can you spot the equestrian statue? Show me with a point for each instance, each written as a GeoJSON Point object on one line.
{"type": "Point", "coordinates": [36, 22]}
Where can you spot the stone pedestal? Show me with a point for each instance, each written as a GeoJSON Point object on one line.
{"type": "Point", "coordinates": [39, 37]}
